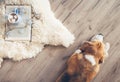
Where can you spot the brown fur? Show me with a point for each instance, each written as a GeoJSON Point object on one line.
{"type": "Point", "coordinates": [81, 70]}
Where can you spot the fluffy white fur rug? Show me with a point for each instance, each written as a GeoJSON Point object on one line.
{"type": "Point", "coordinates": [46, 30]}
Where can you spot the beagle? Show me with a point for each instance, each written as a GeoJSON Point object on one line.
{"type": "Point", "coordinates": [84, 64]}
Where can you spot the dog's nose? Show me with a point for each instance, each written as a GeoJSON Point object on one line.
{"type": "Point", "coordinates": [101, 34]}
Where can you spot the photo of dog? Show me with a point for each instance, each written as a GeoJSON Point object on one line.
{"type": "Point", "coordinates": [84, 64]}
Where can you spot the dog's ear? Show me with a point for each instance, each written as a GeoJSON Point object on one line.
{"type": "Point", "coordinates": [87, 43]}
{"type": "Point", "coordinates": [88, 47]}
{"type": "Point", "coordinates": [99, 45]}
{"type": "Point", "coordinates": [84, 45]}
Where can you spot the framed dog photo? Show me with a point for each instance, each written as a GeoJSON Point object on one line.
{"type": "Point", "coordinates": [18, 23]}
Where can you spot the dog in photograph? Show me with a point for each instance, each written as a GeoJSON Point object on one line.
{"type": "Point", "coordinates": [84, 64]}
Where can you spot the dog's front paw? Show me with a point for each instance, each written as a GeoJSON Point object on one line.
{"type": "Point", "coordinates": [107, 46]}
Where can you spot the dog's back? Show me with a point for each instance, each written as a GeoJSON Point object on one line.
{"type": "Point", "coordinates": [78, 70]}
{"type": "Point", "coordinates": [83, 67]}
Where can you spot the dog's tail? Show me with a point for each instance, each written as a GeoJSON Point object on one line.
{"type": "Point", "coordinates": [64, 77]}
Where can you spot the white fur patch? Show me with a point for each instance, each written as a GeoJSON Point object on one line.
{"type": "Point", "coordinates": [78, 51]}
{"type": "Point", "coordinates": [91, 59]}
{"type": "Point", "coordinates": [97, 37]}
{"type": "Point", "coordinates": [107, 47]}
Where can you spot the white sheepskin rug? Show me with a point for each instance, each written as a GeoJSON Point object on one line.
{"type": "Point", "coordinates": [46, 30]}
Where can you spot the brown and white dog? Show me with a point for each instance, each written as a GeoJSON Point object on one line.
{"type": "Point", "coordinates": [84, 64]}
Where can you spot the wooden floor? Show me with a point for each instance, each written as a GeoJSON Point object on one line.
{"type": "Point", "coordinates": [83, 18]}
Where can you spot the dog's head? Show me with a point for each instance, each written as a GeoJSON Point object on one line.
{"type": "Point", "coordinates": [95, 48]}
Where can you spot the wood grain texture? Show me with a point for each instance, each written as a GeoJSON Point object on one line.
{"type": "Point", "coordinates": [83, 18]}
